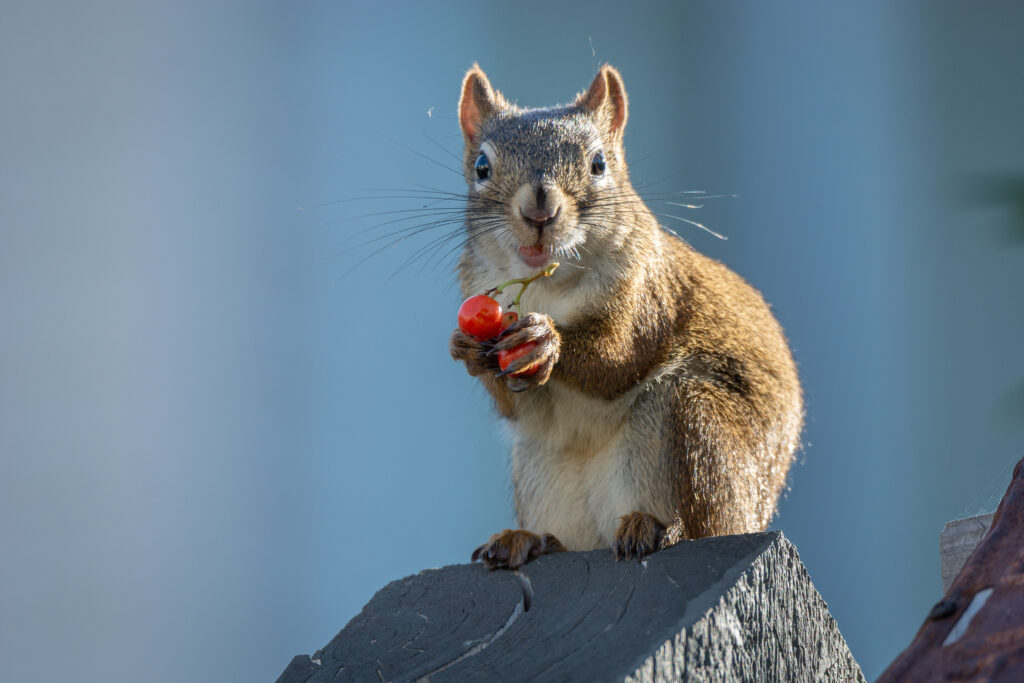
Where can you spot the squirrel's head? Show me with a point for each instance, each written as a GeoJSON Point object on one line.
{"type": "Point", "coordinates": [545, 184]}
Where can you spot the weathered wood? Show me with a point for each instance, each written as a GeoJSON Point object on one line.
{"type": "Point", "coordinates": [957, 541]}
{"type": "Point", "coordinates": [976, 632]}
{"type": "Point", "coordinates": [726, 608]}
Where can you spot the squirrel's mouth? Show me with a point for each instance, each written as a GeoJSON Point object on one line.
{"type": "Point", "coordinates": [535, 256]}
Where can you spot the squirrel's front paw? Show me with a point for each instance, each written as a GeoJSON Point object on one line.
{"type": "Point", "coordinates": [473, 352]}
{"type": "Point", "coordinates": [539, 361]}
{"type": "Point", "coordinates": [512, 549]}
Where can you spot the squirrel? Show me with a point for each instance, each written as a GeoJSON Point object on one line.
{"type": "Point", "coordinates": [662, 402]}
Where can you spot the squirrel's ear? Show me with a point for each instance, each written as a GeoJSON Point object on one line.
{"type": "Point", "coordinates": [606, 97]}
{"type": "Point", "coordinates": [479, 102]}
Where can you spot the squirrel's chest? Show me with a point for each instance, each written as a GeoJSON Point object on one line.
{"type": "Point", "coordinates": [561, 419]}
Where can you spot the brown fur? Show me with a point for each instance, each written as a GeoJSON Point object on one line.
{"type": "Point", "coordinates": [710, 363]}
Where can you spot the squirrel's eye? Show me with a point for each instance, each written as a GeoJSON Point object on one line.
{"type": "Point", "coordinates": [597, 165]}
{"type": "Point", "coordinates": [483, 167]}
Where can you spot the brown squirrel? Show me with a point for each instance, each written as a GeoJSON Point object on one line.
{"type": "Point", "coordinates": [664, 403]}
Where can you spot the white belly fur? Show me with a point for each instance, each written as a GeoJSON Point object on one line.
{"type": "Point", "coordinates": [570, 465]}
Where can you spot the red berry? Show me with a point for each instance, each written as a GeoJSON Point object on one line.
{"type": "Point", "coordinates": [505, 358]}
{"type": "Point", "coordinates": [509, 319]}
{"type": "Point", "coordinates": [480, 316]}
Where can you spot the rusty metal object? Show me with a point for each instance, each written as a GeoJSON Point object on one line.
{"type": "Point", "coordinates": [976, 632]}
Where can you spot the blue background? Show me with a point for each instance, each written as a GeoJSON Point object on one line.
{"type": "Point", "coordinates": [215, 444]}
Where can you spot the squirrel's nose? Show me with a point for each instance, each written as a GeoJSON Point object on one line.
{"type": "Point", "coordinates": [538, 218]}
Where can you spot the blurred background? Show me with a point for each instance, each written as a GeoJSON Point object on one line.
{"type": "Point", "coordinates": [221, 433]}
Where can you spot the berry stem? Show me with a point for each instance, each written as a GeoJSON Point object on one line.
{"type": "Point", "coordinates": [525, 282]}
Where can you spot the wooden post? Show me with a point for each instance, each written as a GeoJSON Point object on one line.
{"type": "Point", "coordinates": [724, 608]}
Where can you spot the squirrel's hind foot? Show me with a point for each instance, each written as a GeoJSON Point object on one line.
{"type": "Point", "coordinates": [639, 534]}
{"type": "Point", "coordinates": [511, 549]}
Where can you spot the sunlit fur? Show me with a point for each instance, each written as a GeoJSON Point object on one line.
{"type": "Point", "coordinates": [673, 391]}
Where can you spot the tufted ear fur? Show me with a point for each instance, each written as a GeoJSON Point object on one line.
{"type": "Point", "coordinates": [479, 102]}
{"type": "Point", "coordinates": [606, 97]}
